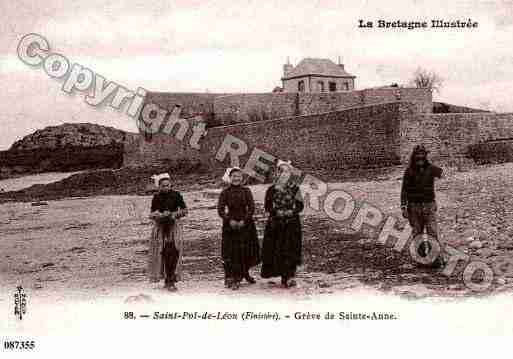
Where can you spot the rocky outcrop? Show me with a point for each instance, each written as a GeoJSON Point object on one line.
{"type": "Point", "coordinates": [68, 147]}
{"type": "Point", "coordinates": [70, 135]}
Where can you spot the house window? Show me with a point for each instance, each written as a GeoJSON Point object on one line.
{"type": "Point", "coordinates": [320, 86]}
{"type": "Point", "coordinates": [346, 86]}
{"type": "Point", "coordinates": [301, 86]}
{"type": "Point", "coordinates": [333, 86]}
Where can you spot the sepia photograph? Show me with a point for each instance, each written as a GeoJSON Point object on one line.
{"type": "Point", "coordinates": [304, 178]}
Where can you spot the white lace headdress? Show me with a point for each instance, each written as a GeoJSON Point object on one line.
{"type": "Point", "coordinates": [226, 176]}
{"type": "Point", "coordinates": [157, 178]}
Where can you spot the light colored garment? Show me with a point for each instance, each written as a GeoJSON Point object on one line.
{"type": "Point", "coordinates": [226, 176]}
{"type": "Point", "coordinates": [283, 163]}
{"type": "Point", "coordinates": [157, 240]}
{"type": "Point", "coordinates": [157, 178]}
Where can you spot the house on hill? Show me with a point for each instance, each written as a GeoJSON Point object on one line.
{"type": "Point", "coordinates": [316, 75]}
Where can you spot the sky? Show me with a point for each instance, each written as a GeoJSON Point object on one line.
{"type": "Point", "coordinates": [241, 46]}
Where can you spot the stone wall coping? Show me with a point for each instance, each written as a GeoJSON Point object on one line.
{"type": "Point", "coordinates": [290, 118]}
{"type": "Point", "coordinates": [477, 114]}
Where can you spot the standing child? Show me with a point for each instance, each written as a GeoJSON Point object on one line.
{"type": "Point", "coordinates": [167, 208]}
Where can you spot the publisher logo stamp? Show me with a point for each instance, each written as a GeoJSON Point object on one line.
{"type": "Point", "coordinates": [20, 302]}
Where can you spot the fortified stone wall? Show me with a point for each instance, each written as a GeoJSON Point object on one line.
{"type": "Point", "coordinates": [367, 135]}
{"type": "Point", "coordinates": [241, 108]}
{"type": "Point", "coordinates": [228, 109]}
{"type": "Point", "coordinates": [191, 103]}
{"type": "Point", "coordinates": [449, 135]}
{"type": "Point", "coordinates": [363, 136]}
{"type": "Point", "coordinates": [232, 109]}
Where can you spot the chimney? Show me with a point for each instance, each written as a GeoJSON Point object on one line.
{"type": "Point", "coordinates": [340, 63]}
{"type": "Point", "coordinates": [287, 68]}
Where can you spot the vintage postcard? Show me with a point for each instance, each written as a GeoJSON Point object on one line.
{"type": "Point", "coordinates": [303, 178]}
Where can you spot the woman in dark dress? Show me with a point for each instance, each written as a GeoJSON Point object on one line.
{"type": "Point", "coordinates": [240, 249]}
{"type": "Point", "coordinates": [282, 245]}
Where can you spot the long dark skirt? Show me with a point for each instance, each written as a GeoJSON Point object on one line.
{"type": "Point", "coordinates": [282, 247]}
{"type": "Point", "coordinates": [240, 250]}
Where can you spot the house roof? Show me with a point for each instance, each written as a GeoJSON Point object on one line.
{"type": "Point", "coordinates": [321, 67]}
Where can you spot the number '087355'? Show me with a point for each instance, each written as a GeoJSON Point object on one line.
{"type": "Point", "coordinates": [19, 345]}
